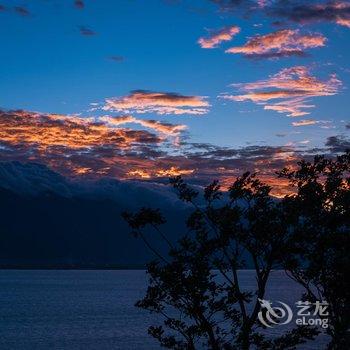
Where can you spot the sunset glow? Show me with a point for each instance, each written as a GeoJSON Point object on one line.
{"type": "Point", "coordinates": [205, 91]}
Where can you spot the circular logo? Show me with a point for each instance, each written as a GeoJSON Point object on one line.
{"type": "Point", "coordinates": [271, 316]}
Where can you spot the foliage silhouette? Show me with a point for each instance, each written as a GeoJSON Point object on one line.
{"type": "Point", "coordinates": [319, 247]}
{"type": "Point", "coordinates": [196, 287]}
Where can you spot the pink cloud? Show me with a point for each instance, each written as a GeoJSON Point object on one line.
{"type": "Point", "coordinates": [263, 3]}
{"type": "Point", "coordinates": [343, 22]}
{"type": "Point", "coordinates": [289, 90]}
{"type": "Point", "coordinates": [282, 43]}
{"type": "Point", "coordinates": [217, 37]}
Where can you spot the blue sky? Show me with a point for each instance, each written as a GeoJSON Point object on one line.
{"type": "Point", "coordinates": [48, 66]}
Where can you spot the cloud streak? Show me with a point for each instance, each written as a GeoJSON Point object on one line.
{"type": "Point", "coordinates": [117, 58]}
{"type": "Point", "coordinates": [229, 5]}
{"type": "Point", "coordinates": [154, 173]}
{"type": "Point", "coordinates": [22, 11]}
{"type": "Point", "coordinates": [161, 127]}
{"type": "Point", "coordinates": [282, 43]}
{"type": "Point", "coordinates": [144, 101]}
{"type": "Point", "coordinates": [85, 31]}
{"type": "Point", "coordinates": [305, 122]}
{"type": "Point", "coordinates": [217, 37]}
{"type": "Point", "coordinates": [288, 91]}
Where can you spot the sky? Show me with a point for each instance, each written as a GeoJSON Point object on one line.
{"type": "Point", "coordinates": [135, 89]}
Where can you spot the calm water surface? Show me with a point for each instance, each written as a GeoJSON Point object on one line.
{"type": "Point", "coordinates": [91, 309]}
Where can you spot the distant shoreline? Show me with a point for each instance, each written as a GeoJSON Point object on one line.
{"type": "Point", "coordinates": [91, 268]}
{"type": "Point", "coordinates": [72, 267]}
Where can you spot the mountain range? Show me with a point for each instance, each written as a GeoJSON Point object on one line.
{"type": "Point", "coordinates": [47, 220]}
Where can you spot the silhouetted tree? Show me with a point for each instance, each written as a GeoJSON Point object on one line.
{"type": "Point", "coordinates": [196, 287]}
{"type": "Point", "coordinates": [319, 256]}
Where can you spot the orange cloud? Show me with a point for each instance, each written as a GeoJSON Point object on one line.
{"type": "Point", "coordinates": [305, 122]}
{"type": "Point", "coordinates": [282, 43]}
{"type": "Point", "coordinates": [173, 171]}
{"type": "Point", "coordinates": [343, 22]}
{"type": "Point", "coordinates": [152, 173]}
{"type": "Point", "coordinates": [139, 173]}
{"type": "Point", "coordinates": [217, 37]}
{"type": "Point", "coordinates": [50, 130]}
{"type": "Point", "coordinates": [99, 147]}
{"type": "Point", "coordinates": [291, 86]}
{"type": "Point", "coordinates": [141, 101]}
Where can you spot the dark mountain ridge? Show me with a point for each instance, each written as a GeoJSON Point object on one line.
{"type": "Point", "coordinates": [49, 221]}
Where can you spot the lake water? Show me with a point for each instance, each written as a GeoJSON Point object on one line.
{"type": "Point", "coordinates": [85, 309]}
